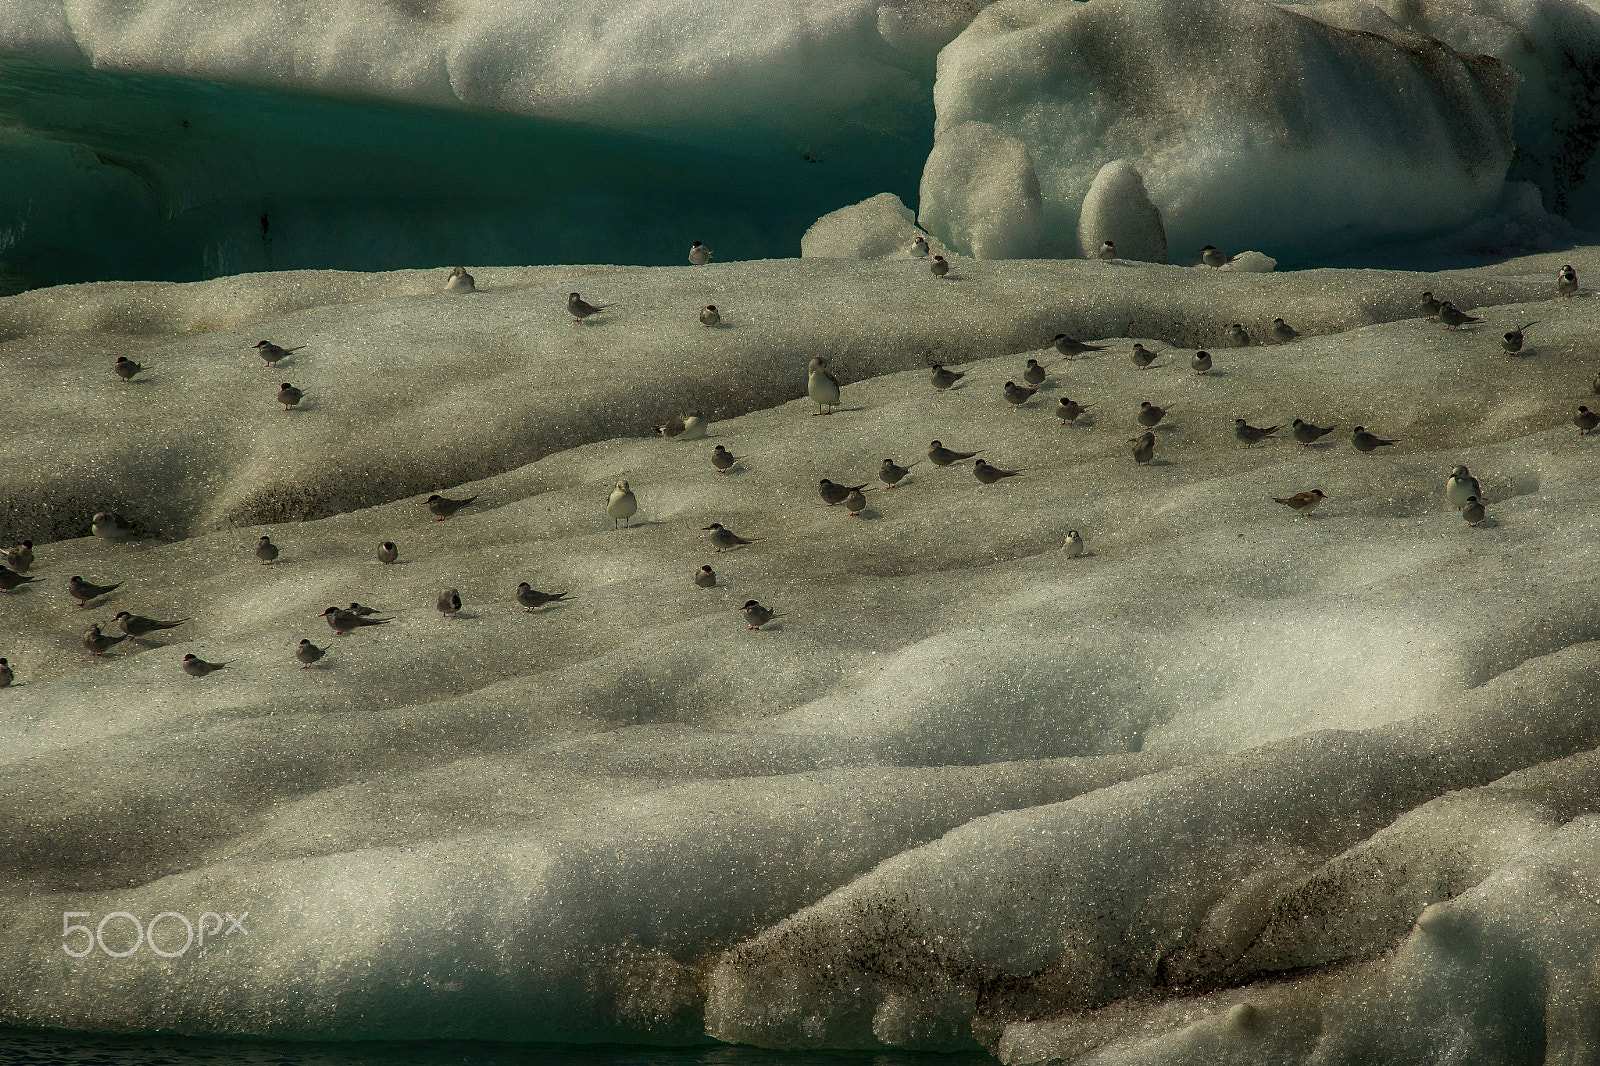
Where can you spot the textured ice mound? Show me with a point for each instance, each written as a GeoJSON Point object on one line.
{"type": "Point", "coordinates": [1253, 125]}
{"type": "Point", "coordinates": [1118, 209]}
{"type": "Point", "coordinates": [880, 227]}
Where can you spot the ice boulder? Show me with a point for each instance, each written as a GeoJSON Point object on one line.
{"type": "Point", "coordinates": [1118, 209]}
{"type": "Point", "coordinates": [1254, 125]}
{"type": "Point", "coordinates": [881, 227]}
{"type": "Point", "coordinates": [980, 193]}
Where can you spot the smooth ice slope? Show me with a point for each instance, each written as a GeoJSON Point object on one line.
{"type": "Point", "coordinates": [1178, 794]}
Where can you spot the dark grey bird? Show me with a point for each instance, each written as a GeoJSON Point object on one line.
{"type": "Point", "coordinates": [10, 579]}
{"type": "Point", "coordinates": [705, 577]}
{"type": "Point", "coordinates": [84, 591]}
{"type": "Point", "coordinates": [460, 281]}
{"type": "Point", "coordinates": [939, 455]}
{"type": "Point", "coordinates": [581, 309]}
{"type": "Point", "coordinates": [1237, 336]}
{"type": "Point", "coordinates": [939, 267]}
{"type": "Point", "coordinates": [1302, 502]}
{"type": "Point", "coordinates": [532, 599]}
{"type": "Point", "coordinates": [266, 551]}
{"type": "Point", "coordinates": [1282, 332]}
{"type": "Point", "coordinates": [833, 494]}
{"type": "Point", "coordinates": [1107, 252]}
{"type": "Point", "coordinates": [891, 473]}
{"type": "Point", "coordinates": [1033, 373]}
{"type": "Point", "coordinates": [722, 459]}
{"type": "Point", "coordinates": [1016, 395]}
{"type": "Point", "coordinates": [97, 642]}
{"type": "Point", "coordinates": [1567, 281]}
{"type": "Point", "coordinates": [342, 621]}
{"type": "Point", "coordinates": [1585, 420]}
{"type": "Point", "coordinates": [272, 353]}
{"type": "Point", "coordinates": [388, 552]}
{"type": "Point", "coordinates": [195, 666]}
{"type": "Point", "coordinates": [137, 625]}
{"type": "Point", "coordinates": [289, 396]}
{"type": "Point", "coordinates": [1142, 356]}
{"type": "Point", "coordinates": [1211, 257]}
{"type": "Point", "coordinates": [990, 474]}
{"type": "Point", "coordinates": [1068, 409]}
{"type": "Point", "coordinates": [755, 614]}
{"type": "Point", "coordinates": [1368, 442]}
{"type": "Point", "coordinates": [1453, 317]}
{"type": "Point", "coordinates": [1472, 511]}
{"type": "Point", "coordinates": [308, 653]}
{"type": "Point", "coordinates": [125, 368]}
{"type": "Point", "coordinates": [1429, 306]}
{"type": "Point", "coordinates": [943, 379]}
{"type": "Point", "coordinates": [6, 676]}
{"type": "Point", "coordinates": [699, 254]}
{"type": "Point", "coordinates": [108, 526]}
{"type": "Point", "coordinates": [1150, 415]}
{"type": "Point", "coordinates": [449, 603]}
{"type": "Point", "coordinates": [442, 507]}
{"type": "Point", "coordinates": [1071, 349]}
{"type": "Point", "coordinates": [710, 316]}
{"type": "Point", "coordinates": [725, 538]}
{"type": "Point", "coordinates": [1201, 361]}
{"type": "Point", "coordinates": [1144, 447]}
{"type": "Point", "coordinates": [1252, 434]}
{"type": "Point", "coordinates": [855, 503]}
{"type": "Point", "coordinates": [20, 557]}
{"type": "Point", "coordinates": [1511, 343]}
{"type": "Point", "coordinates": [1306, 433]}
{"type": "Point", "coordinates": [361, 611]}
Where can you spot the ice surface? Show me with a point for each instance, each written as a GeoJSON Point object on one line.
{"type": "Point", "coordinates": [1175, 798]}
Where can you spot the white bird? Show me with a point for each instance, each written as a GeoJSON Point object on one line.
{"type": "Point", "coordinates": [1567, 282]}
{"type": "Point", "coordinates": [108, 526]}
{"type": "Point", "coordinates": [1073, 546]}
{"type": "Point", "coordinates": [822, 386]}
{"type": "Point", "coordinates": [460, 281]}
{"type": "Point", "coordinates": [699, 254]}
{"type": "Point", "coordinates": [1108, 251]}
{"type": "Point", "coordinates": [622, 504]}
{"type": "Point", "coordinates": [1460, 486]}
{"type": "Point", "coordinates": [919, 247]}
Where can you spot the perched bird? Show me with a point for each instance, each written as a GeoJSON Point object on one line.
{"type": "Point", "coordinates": [195, 666]}
{"type": "Point", "coordinates": [289, 396]}
{"type": "Point", "coordinates": [722, 459]}
{"type": "Point", "coordinates": [699, 254]}
{"type": "Point", "coordinates": [1453, 317]}
{"type": "Point", "coordinates": [1016, 395]}
{"type": "Point", "coordinates": [266, 551]}
{"type": "Point", "coordinates": [855, 503]}
{"type": "Point", "coordinates": [1033, 373]}
{"type": "Point", "coordinates": [709, 315]}
{"type": "Point", "coordinates": [990, 474]}
{"type": "Point", "coordinates": [125, 368]}
{"type": "Point", "coordinates": [308, 652]}
{"type": "Point", "coordinates": [943, 379]}
{"type": "Point", "coordinates": [460, 281]}
{"type": "Point", "coordinates": [1567, 281]}
{"type": "Point", "coordinates": [919, 247]}
{"type": "Point", "coordinates": [822, 386]}
{"type": "Point", "coordinates": [1150, 415]}
{"type": "Point", "coordinates": [1282, 332]}
{"type": "Point", "coordinates": [342, 621]}
{"type": "Point", "coordinates": [449, 603]}
{"type": "Point", "coordinates": [137, 625]}
{"type": "Point", "coordinates": [1071, 349]}
{"type": "Point", "coordinates": [361, 611]}
{"type": "Point", "coordinates": [1073, 545]}
{"type": "Point", "coordinates": [1251, 434]}
{"type": "Point", "coordinates": [580, 309]}
{"type": "Point", "coordinates": [939, 455]}
{"type": "Point", "coordinates": [1237, 335]}
{"type": "Point", "coordinates": [271, 352]}
{"type": "Point", "coordinates": [1142, 356]}
{"type": "Point", "coordinates": [1585, 420]}
{"type": "Point", "coordinates": [6, 676]}
{"type": "Point", "coordinates": [1511, 343]}
{"type": "Point", "coordinates": [725, 538]}
{"type": "Point", "coordinates": [1429, 306]}
{"type": "Point", "coordinates": [891, 473]}
{"type": "Point", "coordinates": [1144, 447]}
{"type": "Point", "coordinates": [1107, 252]}
{"type": "Point", "coordinates": [97, 642]}
{"type": "Point", "coordinates": [1472, 511]}
{"type": "Point", "coordinates": [689, 426]}
{"type": "Point", "coordinates": [84, 591]}
{"type": "Point", "coordinates": [1461, 485]}
{"type": "Point", "coordinates": [1068, 410]}
{"type": "Point", "coordinates": [622, 505]}
{"type": "Point", "coordinates": [1306, 433]}
{"type": "Point", "coordinates": [705, 577]}
{"type": "Point", "coordinates": [442, 507]}
{"type": "Point", "coordinates": [1211, 257]}
{"type": "Point", "coordinates": [108, 526]}
{"type": "Point", "coordinates": [20, 557]}
{"type": "Point", "coordinates": [1201, 361]}
{"type": "Point", "coordinates": [939, 267]}
{"type": "Point", "coordinates": [756, 614]}
{"type": "Point", "coordinates": [834, 494]}
{"type": "Point", "coordinates": [1368, 442]}
{"type": "Point", "coordinates": [10, 579]}
{"type": "Point", "coordinates": [531, 598]}
{"type": "Point", "coordinates": [388, 552]}
{"type": "Point", "coordinates": [1303, 502]}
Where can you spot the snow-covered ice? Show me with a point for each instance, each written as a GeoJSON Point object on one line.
{"type": "Point", "coordinates": [1295, 788]}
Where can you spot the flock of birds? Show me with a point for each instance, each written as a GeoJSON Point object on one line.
{"type": "Point", "coordinates": [1461, 489]}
